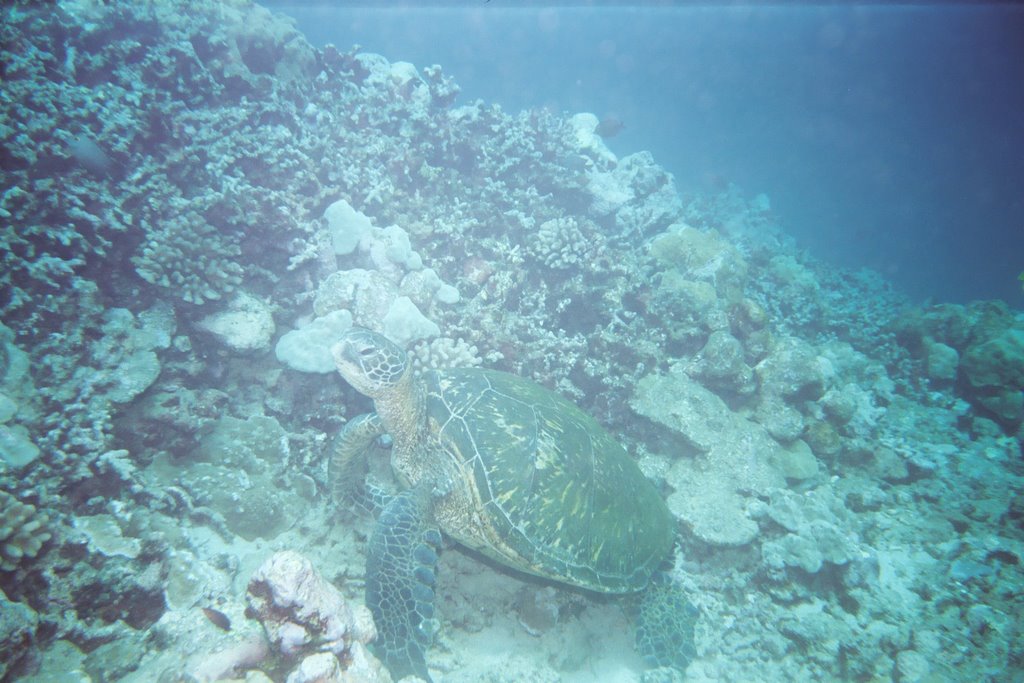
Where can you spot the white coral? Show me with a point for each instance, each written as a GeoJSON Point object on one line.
{"type": "Point", "coordinates": [22, 531]}
{"type": "Point", "coordinates": [565, 242]}
{"type": "Point", "coordinates": [297, 606]}
{"type": "Point", "coordinates": [443, 353]}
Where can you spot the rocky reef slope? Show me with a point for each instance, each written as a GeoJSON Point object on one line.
{"type": "Point", "coordinates": [195, 202]}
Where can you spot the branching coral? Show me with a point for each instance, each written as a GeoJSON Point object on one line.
{"type": "Point", "coordinates": [22, 531]}
{"type": "Point", "coordinates": [190, 257]}
{"type": "Point", "coordinates": [442, 353]}
{"type": "Point", "coordinates": [565, 242]}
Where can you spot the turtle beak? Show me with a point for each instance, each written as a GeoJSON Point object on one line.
{"type": "Point", "coordinates": [354, 360]}
{"type": "Point", "coordinates": [342, 353]}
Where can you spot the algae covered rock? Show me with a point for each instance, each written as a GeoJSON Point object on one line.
{"type": "Point", "coordinates": [704, 256]}
{"type": "Point", "coordinates": [254, 444]}
{"type": "Point", "coordinates": [941, 361]}
{"type": "Point", "coordinates": [16, 446]}
{"type": "Point", "coordinates": [996, 362]}
{"type": "Point", "coordinates": [233, 500]}
{"type": "Point", "coordinates": [15, 379]}
{"type": "Point", "coordinates": [794, 370]}
{"type": "Point", "coordinates": [106, 537]}
{"type": "Point", "coordinates": [721, 364]}
{"type": "Point", "coordinates": [18, 627]}
{"type": "Point", "coordinates": [796, 460]}
{"type": "Point", "coordinates": [688, 309]}
{"type": "Point", "coordinates": [124, 359]}
{"type": "Point", "coordinates": [783, 421]}
{"type": "Point", "coordinates": [817, 526]}
{"type": "Point", "coordinates": [735, 464]}
{"type": "Point", "coordinates": [979, 346]}
{"type": "Point", "coordinates": [994, 369]}
{"type": "Point", "coordinates": [685, 406]}
{"type": "Point", "coordinates": [235, 476]}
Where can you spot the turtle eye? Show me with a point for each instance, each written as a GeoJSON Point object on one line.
{"type": "Point", "coordinates": [365, 352]}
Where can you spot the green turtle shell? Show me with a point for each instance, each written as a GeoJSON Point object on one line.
{"type": "Point", "coordinates": [564, 499]}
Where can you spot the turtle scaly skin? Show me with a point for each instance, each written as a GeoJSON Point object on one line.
{"type": "Point", "coordinates": [400, 565]}
{"type": "Point", "coordinates": [348, 465]}
{"type": "Point", "coordinates": [503, 466]}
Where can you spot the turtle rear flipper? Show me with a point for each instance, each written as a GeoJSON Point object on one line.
{"type": "Point", "coordinates": [664, 628]}
{"type": "Point", "coordinates": [400, 563]}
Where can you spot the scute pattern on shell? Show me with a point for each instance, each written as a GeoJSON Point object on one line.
{"type": "Point", "coordinates": [563, 497]}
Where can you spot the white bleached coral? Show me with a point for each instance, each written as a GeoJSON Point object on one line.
{"type": "Point", "coordinates": [246, 324]}
{"type": "Point", "coordinates": [346, 227]}
{"type": "Point", "coordinates": [307, 349]}
{"type": "Point", "coordinates": [388, 289]}
{"type": "Point", "coordinates": [388, 247]}
{"type": "Point", "coordinates": [404, 322]}
{"type": "Point", "coordinates": [818, 526]}
{"type": "Point", "coordinates": [298, 608]}
{"type": "Point", "coordinates": [735, 460]}
{"type": "Point", "coordinates": [442, 353]}
{"type": "Point", "coordinates": [366, 293]}
{"type": "Point", "coordinates": [584, 127]}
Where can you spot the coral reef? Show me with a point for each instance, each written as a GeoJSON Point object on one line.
{"type": "Point", "coordinates": [196, 203]}
{"type": "Point", "coordinates": [979, 347]}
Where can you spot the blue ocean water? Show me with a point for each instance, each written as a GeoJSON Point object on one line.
{"type": "Point", "coordinates": [887, 136]}
{"type": "Point", "coordinates": [564, 343]}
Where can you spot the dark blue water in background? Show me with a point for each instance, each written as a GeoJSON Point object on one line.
{"type": "Point", "coordinates": [886, 137]}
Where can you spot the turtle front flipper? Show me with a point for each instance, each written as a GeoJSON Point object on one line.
{"type": "Point", "coordinates": [347, 468]}
{"type": "Point", "coordinates": [400, 563]}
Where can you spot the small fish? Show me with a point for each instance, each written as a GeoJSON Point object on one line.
{"type": "Point", "coordinates": [217, 618]}
{"type": "Point", "coordinates": [609, 127]}
{"type": "Point", "coordinates": [91, 156]}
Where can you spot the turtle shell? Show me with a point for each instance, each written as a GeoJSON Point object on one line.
{"type": "Point", "coordinates": [558, 496]}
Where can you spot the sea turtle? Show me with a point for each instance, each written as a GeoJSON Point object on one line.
{"type": "Point", "coordinates": [511, 470]}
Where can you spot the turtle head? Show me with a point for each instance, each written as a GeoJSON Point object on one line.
{"type": "Point", "coordinates": [370, 362]}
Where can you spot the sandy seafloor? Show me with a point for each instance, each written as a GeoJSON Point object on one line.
{"type": "Point", "coordinates": [196, 202]}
